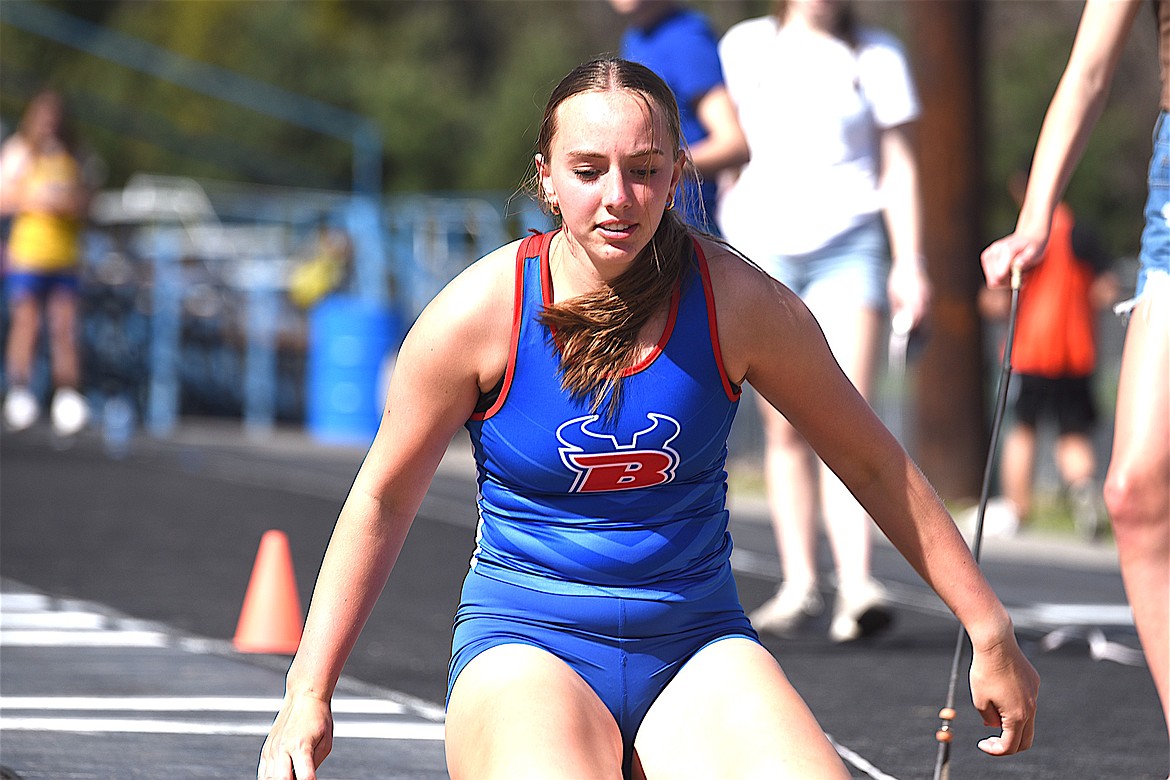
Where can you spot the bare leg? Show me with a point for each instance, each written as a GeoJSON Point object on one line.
{"type": "Point", "coordinates": [790, 476]}
{"type": "Point", "coordinates": [1016, 468]}
{"type": "Point", "coordinates": [23, 330]}
{"type": "Point", "coordinates": [852, 334]}
{"type": "Point", "coordinates": [1077, 462]}
{"type": "Point", "coordinates": [1137, 486]}
{"type": "Point", "coordinates": [61, 314]}
{"type": "Point", "coordinates": [21, 408]}
{"type": "Point", "coordinates": [1075, 458]}
{"type": "Point", "coordinates": [791, 480]}
{"type": "Point", "coordinates": [518, 712]}
{"type": "Point", "coordinates": [731, 713]}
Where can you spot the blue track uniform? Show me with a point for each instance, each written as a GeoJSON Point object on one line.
{"type": "Point", "coordinates": [605, 541]}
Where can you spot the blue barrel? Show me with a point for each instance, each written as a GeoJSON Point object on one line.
{"type": "Point", "coordinates": [350, 341]}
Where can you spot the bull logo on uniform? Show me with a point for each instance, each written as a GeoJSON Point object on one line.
{"type": "Point", "coordinates": [602, 463]}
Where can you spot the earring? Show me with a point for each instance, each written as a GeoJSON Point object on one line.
{"type": "Point", "coordinates": [670, 203]}
{"type": "Point", "coordinates": [555, 209]}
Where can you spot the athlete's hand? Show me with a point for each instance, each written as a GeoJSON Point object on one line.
{"type": "Point", "coordinates": [1004, 687]}
{"type": "Point", "coordinates": [300, 739]}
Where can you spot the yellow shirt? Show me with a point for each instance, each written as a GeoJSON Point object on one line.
{"type": "Point", "coordinates": [42, 241]}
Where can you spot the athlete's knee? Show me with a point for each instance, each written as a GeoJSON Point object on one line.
{"type": "Point", "coordinates": [1137, 497]}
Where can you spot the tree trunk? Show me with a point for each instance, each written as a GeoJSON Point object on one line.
{"type": "Point", "coordinates": [950, 437]}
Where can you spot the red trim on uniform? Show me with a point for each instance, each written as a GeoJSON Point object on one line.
{"type": "Point", "coordinates": [671, 316]}
{"type": "Point", "coordinates": [546, 290]}
{"type": "Point", "coordinates": [729, 387]}
{"type": "Point", "coordinates": [522, 253]}
{"type": "Point", "coordinates": [546, 287]}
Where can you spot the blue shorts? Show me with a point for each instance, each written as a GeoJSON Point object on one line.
{"type": "Point", "coordinates": [626, 649]}
{"type": "Point", "coordinates": [23, 284]}
{"type": "Point", "coordinates": [1155, 254]}
{"type": "Point", "coordinates": [852, 269]}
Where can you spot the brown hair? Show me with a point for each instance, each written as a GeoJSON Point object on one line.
{"type": "Point", "coordinates": [844, 26]}
{"type": "Point", "coordinates": [597, 333]}
{"type": "Point", "coordinates": [47, 100]}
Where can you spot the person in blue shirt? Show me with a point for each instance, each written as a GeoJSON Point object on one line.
{"type": "Point", "coordinates": [597, 369]}
{"type": "Point", "coordinates": [678, 44]}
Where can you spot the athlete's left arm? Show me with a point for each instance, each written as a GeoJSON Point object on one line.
{"type": "Point", "coordinates": [770, 339]}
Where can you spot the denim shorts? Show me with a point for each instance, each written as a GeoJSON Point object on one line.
{"type": "Point", "coordinates": [1154, 267]}
{"type": "Point", "coordinates": [851, 269]}
{"type": "Point", "coordinates": [1155, 254]}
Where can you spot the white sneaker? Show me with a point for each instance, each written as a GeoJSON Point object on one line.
{"type": "Point", "coordinates": [791, 606]}
{"type": "Point", "coordinates": [70, 412]}
{"type": "Point", "coordinates": [1000, 519]}
{"type": "Point", "coordinates": [860, 611]}
{"type": "Point", "coordinates": [21, 409]}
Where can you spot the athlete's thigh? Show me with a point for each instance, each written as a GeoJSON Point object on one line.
{"type": "Point", "coordinates": [517, 711]}
{"type": "Point", "coordinates": [1141, 440]}
{"type": "Point", "coordinates": [731, 713]}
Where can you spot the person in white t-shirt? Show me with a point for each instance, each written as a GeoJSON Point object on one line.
{"type": "Point", "coordinates": [828, 108]}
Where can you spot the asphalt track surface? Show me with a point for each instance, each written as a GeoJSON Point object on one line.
{"type": "Point", "coordinates": [121, 581]}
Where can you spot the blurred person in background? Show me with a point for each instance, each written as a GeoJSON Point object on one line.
{"type": "Point", "coordinates": [43, 187]}
{"type": "Point", "coordinates": [678, 44]}
{"type": "Point", "coordinates": [326, 266]}
{"type": "Point", "coordinates": [1054, 356]}
{"type": "Point", "coordinates": [1137, 482]}
{"type": "Point", "coordinates": [828, 107]}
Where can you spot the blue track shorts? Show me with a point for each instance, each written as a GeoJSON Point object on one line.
{"type": "Point", "coordinates": [626, 649]}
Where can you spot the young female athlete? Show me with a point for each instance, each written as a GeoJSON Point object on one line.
{"type": "Point", "coordinates": [597, 369]}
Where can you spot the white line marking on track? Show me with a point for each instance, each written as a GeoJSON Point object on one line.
{"type": "Point", "coordinates": [24, 602]}
{"type": "Point", "coordinates": [51, 638]}
{"type": "Point", "coordinates": [858, 761]}
{"type": "Point", "coordinates": [263, 704]}
{"type": "Point", "coordinates": [1055, 615]}
{"type": "Point", "coordinates": [74, 621]}
{"type": "Point", "coordinates": [342, 729]}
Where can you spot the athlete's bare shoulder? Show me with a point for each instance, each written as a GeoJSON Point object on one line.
{"type": "Point", "coordinates": [738, 280]}
{"type": "Point", "coordinates": [756, 315]}
{"type": "Point", "coordinates": [470, 320]}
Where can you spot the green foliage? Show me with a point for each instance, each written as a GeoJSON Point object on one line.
{"type": "Point", "coordinates": [456, 88]}
{"type": "Point", "coordinates": [1026, 47]}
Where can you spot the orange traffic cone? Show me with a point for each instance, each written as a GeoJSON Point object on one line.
{"type": "Point", "coordinates": [270, 621]}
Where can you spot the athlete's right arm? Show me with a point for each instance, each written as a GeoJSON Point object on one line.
{"type": "Point", "coordinates": [457, 348]}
